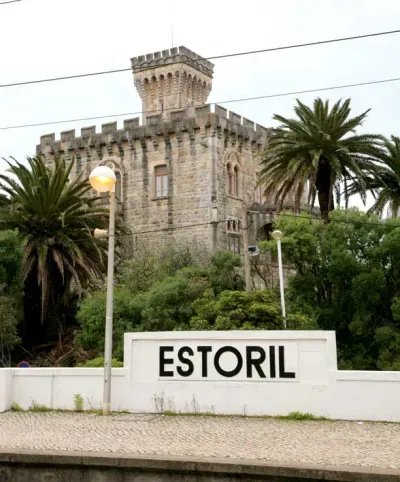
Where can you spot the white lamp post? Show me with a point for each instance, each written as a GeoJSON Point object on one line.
{"type": "Point", "coordinates": [103, 179]}
{"type": "Point", "coordinates": [277, 235]}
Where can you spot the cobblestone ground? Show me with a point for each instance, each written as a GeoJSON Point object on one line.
{"type": "Point", "coordinates": [336, 443]}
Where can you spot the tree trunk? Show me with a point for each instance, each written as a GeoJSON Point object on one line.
{"type": "Point", "coordinates": [324, 186]}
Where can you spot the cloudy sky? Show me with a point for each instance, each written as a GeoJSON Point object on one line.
{"type": "Point", "coordinates": [50, 38]}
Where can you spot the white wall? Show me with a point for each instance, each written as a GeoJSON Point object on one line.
{"type": "Point", "coordinates": [56, 387]}
{"type": "Point", "coordinates": [311, 354]}
{"type": "Point", "coordinates": [358, 395]}
{"type": "Point", "coordinates": [315, 385]}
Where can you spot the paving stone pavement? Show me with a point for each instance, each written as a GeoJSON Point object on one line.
{"type": "Point", "coordinates": [317, 442]}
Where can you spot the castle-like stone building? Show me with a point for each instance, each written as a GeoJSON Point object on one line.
{"type": "Point", "coordinates": [185, 174]}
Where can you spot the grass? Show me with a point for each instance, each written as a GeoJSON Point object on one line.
{"type": "Point", "coordinates": [292, 416]}
{"type": "Point", "coordinates": [16, 407]}
{"type": "Point", "coordinates": [300, 416]}
{"type": "Point", "coordinates": [78, 402]}
{"type": "Point", "coordinates": [170, 413]}
{"type": "Point", "coordinates": [37, 407]}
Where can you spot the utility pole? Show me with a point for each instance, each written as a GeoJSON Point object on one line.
{"type": "Point", "coordinates": [247, 266]}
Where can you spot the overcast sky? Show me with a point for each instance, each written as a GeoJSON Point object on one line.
{"type": "Point", "coordinates": [49, 38]}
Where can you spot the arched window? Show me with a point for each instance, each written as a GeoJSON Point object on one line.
{"type": "Point", "coordinates": [229, 178]}
{"type": "Point", "coordinates": [118, 185]}
{"type": "Point", "coordinates": [235, 187]}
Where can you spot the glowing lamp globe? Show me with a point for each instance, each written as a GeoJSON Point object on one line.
{"type": "Point", "coordinates": [102, 179]}
{"type": "Point", "coordinates": [277, 235]}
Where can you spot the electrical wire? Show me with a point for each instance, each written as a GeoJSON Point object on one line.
{"type": "Point", "coordinates": [174, 228]}
{"type": "Point", "coordinates": [244, 99]}
{"type": "Point", "coordinates": [214, 57]}
{"type": "Point", "coordinates": [10, 1]}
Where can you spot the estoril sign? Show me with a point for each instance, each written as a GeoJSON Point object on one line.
{"type": "Point", "coordinates": [229, 372]}
{"type": "Point", "coordinates": [233, 361]}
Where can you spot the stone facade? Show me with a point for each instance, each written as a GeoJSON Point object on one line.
{"type": "Point", "coordinates": [185, 175]}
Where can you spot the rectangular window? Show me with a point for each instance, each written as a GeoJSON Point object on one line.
{"type": "Point", "coordinates": [234, 244]}
{"type": "Point", "coordinates": [161, 181]}
{"type": "Point", "coordinates": [232, 225]}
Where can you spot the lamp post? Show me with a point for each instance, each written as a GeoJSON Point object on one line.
{"type": "Point", "coordinates": [277, 235]}
{"type": "Point", "coordinates": [103, 179]}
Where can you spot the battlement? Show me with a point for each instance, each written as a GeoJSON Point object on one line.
{"type": "Point", "coordinates": [172, 56]}
{"type": "Point", "coordinates": [173, 79]}
{"type": "Point", "coordinates": [180, 121]}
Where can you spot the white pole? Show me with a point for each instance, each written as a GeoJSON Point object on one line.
{"type": "Point", "coordinates": [247, 266]}
{"type": "Point", "coordinates": [281, 282]}
{"type": "Point", "coordinates": [109, 309]}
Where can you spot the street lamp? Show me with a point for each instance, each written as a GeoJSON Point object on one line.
{"type": "Point", "coordinates": [103, 179]}
{"type": "Point", "coordinates": [277, 235]}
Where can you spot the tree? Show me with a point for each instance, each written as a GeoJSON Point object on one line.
{"type": "Point", "coordinates": [348, 280]}
{"type": "Point", "coordinates": [385, 183]}
{"type": "Point", "coordinates": [55, 219]}
{"type": "Point", "coordinates": [9, 319]}
{"type": "Point", "coordinates": [169, 303]}
{"type": "Point", "coordinates": [127, 317]}
{"type": "Point", "coordinates": [147, 266]}
{"type": "Point", "coordinates": [10, 294]}
{"type": "Point", "coordinates": [241, 310]}
{"type": "Point", "coordinates": [161, 298]}
{"type": "Point", "coordinates": [319, 148]}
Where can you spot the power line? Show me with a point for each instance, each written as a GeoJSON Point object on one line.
{"type": "Point", "coordinates": [174, 228]}
{"type": "Point", "coordinates": [308, 44]}
{"type": "Point", "coordinates": [345, 221]}
{"type": "Point", "coordinates": [244, 99]}
{"type": "Point", "coordinates": [214, 57]}
{"type": "Point", "coordinates": [139, 233]}
{"type": "Point", "coordinates": [10, 1]}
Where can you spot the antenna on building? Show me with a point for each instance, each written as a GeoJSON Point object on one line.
{"type": "Point", "coordinates": [172, 35]}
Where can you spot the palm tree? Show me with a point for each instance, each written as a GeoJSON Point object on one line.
{"type": "Point", "coordinates": [318, 150]}
{"type": "Point", "coordinates": [385, 183]}
{"type": "Point", "coordinates": [55, 219]}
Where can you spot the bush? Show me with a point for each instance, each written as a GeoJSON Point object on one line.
{"type": "Point", "coordinates": [99, 363]}
{"type": "Point", "coordinates": [169, 303]}
{"type": "Point", "coordinates": [241, 310]}
{"type": "Point", "coordinates": [9, 319]}
{"type": "Point", "coordinates": [91, 317]}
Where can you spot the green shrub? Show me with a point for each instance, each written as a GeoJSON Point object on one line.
{"type": "Point", "coordinates": [78, 402]}
{"type": "Point", "coordinates": [99, 363]}
{"type": "Point", "coordinates": [91, 316]}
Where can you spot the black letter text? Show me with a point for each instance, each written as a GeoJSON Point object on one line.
{"type": "Point", "coordinates": [163, 361]}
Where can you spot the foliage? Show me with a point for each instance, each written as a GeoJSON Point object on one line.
{"type": "Point", "coordinates": [37, 407]}
{"type": "Point", "coordinates": [99, 363]}
{"type": "Point", "coordinates": [148, 266]}
{"type": "Point", "coordinates": [348, 280]}
{"type": "Point", "coordinates": [162, 305]}
{"type": "Point", "coordinates": [241, 310]}
{"type": "Point", "coordinates": [55, 218]}
{"type": "Point", "coordinates": [169, 302]}
{"type": "Point", "coordinates": [10, 294]}
{"type": "Point", "coordinates": [9, 319]}
{"type": "Point", "coordinates": [10, 262]}
{"type": "Point", "coordinates": [91, 316]}
{"type": "Point", "coordinates": [385, 183]}
{"type": "Point", "coordinates": [301, 416]}
{"type": "Point", "coordinates": [320, 147]}
{"type": "Point", "coordinates": [16, 407]}
{"type": "Point", "coordinates": [78, 402]}
{"type": "Point", "coordinates": [223, 273]}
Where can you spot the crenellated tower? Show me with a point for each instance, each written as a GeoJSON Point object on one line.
{"type": "Point", "coordinates": [171, 80]}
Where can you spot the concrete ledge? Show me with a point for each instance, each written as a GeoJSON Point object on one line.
{"type": "Point", "coordinates": [21, 465]}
